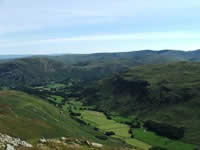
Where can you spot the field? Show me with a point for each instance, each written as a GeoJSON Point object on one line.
{"type": "Point", "coordinates": [100, 121]}
{"type": "Point", "coordinates": [50, 86]}
{"type": "Point", "coordinates": [155, 140]}
{"type": "Point", "coordinates": [142, 139]}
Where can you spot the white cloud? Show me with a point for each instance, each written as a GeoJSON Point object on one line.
{"type": "Point", "coordinates": [109, 37]}
{"type": "Point", "coordinates": [39, 23]}
{"type": "Point", "coordinates": [25, 15]}
{"type": "Point", "coordinates": [134, 36]}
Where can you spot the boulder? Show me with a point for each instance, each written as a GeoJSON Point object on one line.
{"type": "Point", "coordinates": [43, 141]}
{"type": "Point", "coordinates": [97, 145]}
{"type": "Point", "coordinates": [87, 143]}
{"type": "Point", "coordinates": [9, 147]}
{"type": "Point", "coordinates": [6, 139]}
{"type": "Point", "coordinates": [25, 144]}
{"type": "Point", "coordinates": [2, 146]}
{"type": "Point", "coordinates": [63, 138]}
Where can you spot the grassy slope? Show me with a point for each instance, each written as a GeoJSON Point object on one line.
{"type": "Point", "coordinates": [31, 118]}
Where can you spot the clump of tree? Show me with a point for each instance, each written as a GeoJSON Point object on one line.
{"type": "Point", "coordinates": [157, 148]}
{"type": "Point", "coordinates": [135, 123]}
{"type": "Point", "coordinates": [109, 133]}
{"type": "Point", "coordinates": [75, 114]}
{"type": "Point", "coordinates": [134, 87]}
{"type": "Point", "coordinates": [108, 116]}
{"type": "Point", "coordinates": [130, 131]}
{"type": "Point", "coordinates": [166, 130]}
{"type": "Point", "coordinates": [96, 129]}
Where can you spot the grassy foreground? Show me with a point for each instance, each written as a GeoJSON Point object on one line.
{"type": "Point", "coordinates": [31, 118]}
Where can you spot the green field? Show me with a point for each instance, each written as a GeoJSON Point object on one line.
{"type": "Point", "coordinates": [155, 140]}
{"type": "Point", "coordinates": [56, 85]}
{"type": "Point", "coordinates": [100, 121]}
{"type": "Point", "coordinates": [142, 139]}
{"type": "Point", "coordinates": [50, 86]}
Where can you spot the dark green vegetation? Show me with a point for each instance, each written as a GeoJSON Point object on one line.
{"type": "Point", "coordinates": [164, 129]}
{"type": "Point", "coordinates": [153, 95]}
{"type": "Point", "coordinates": [43, 69]}
{"type": "Point", "coordinates": [37, 71]}
{"type": "Point", "coordinates": [163, 93]}
{"type": "Point", "coordinates": [30, 71]}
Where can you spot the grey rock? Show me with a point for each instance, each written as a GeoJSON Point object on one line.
{"type": "Point", "coordinates": [9, 147]}
{"type": "Point", "coordinates": [97, 145]}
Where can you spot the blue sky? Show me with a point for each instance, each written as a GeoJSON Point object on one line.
{"type": "Point", "coordinates": [89, 26]}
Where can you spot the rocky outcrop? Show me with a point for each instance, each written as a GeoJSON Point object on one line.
{"type": "Point", "coordinates": [68, 143]}
{"type": "Point", "coordinates": [10, 143]}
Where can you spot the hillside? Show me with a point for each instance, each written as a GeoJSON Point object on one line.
{"type": "Point", "coordinates": [11, 57]}
{"type": "Point", "coordinates": [88, 67]}
{"type": "Point", "coordinates": [39, 70]}
{"type": "Point", "coordinates": [29, 71]}
{"type": "Point", "coordinates": [31, 118]}
{"type": "Point", "coordinates": [165, 93]}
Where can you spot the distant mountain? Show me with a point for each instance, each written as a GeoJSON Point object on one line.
{"type": "Point", "coordinates": [40, 70]}
{"type": "Point", "coordinates": [28, 71]}
{"type": "Point", "coordinates": [90, 67]}
{"type": "Point", "coordinates": [9, 57]}
{"type": "Point", "coordinates": [132, 58]}
{"type": "Point", "coordinates": [167, 93]}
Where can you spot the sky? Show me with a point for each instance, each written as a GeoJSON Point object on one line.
{"type": "Point", "coordinates": [90, 26]}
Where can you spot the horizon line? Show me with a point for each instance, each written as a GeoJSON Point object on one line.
{"type": "Point", "coordinates": [50, 54]}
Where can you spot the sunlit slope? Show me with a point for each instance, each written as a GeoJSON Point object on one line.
{"type": "Point", "coordinates": [31, 118]}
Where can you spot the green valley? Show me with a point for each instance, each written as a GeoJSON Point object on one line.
{"type": "Point", "coordinates": [127, 100]}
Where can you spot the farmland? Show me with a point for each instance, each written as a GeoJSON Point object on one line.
{"type": "Point", "coordinates": [121, 130]}
{"type": "Point", "coordinates": [143, 139]}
